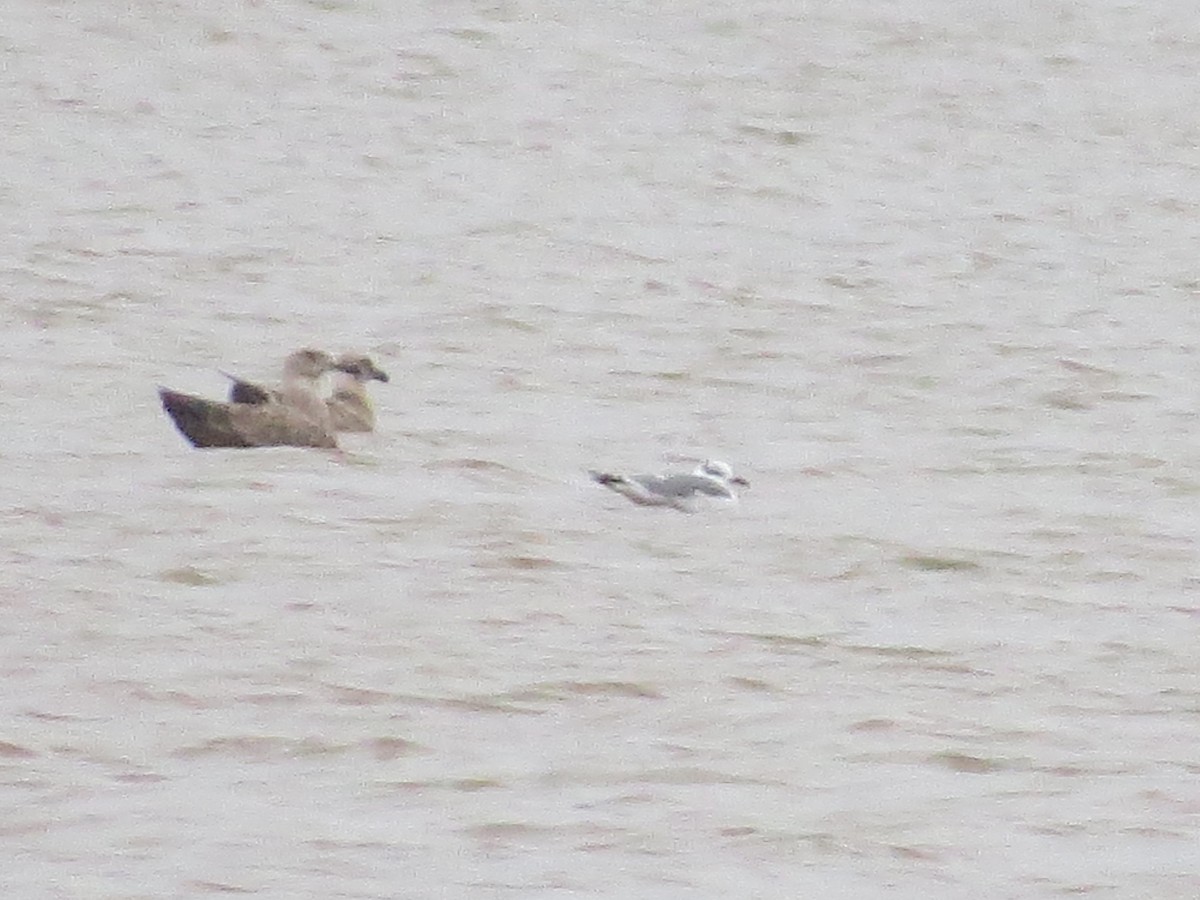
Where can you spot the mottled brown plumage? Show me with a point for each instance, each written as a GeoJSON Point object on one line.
{"type": "Point", "coordinates": [293, 416]}
{"type": "Point", "coordinates": [209, 423]}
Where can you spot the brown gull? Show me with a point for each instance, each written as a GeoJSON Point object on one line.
{"type": "Point", "coordinates": [293, 416]}
{"type": "Point", "coordinates": [349, 405]}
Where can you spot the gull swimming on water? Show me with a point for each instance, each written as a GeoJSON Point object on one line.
{"type": "Point", "coordinates": [294, 416]}
{"type": "Point", "coordinates": [712, 478]}
{"type": "Point", "coordinates": [349, 405]}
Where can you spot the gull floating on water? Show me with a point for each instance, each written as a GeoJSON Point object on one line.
{"type": "Point", "coordinates": [712, 478]}
{"type": "Point", "coordinates": [293, 416]}
{"type": "Point", "coordinates": [349, 406]}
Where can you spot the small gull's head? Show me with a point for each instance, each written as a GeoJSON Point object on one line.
{"type": "Point", "coordinates": [308, 363]}
{"type": "Point", "coordinates": [363, 368]}
{"type": "Point", "coordinates": [721, 471]}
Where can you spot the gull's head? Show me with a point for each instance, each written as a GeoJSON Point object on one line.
{"type": "Point", "coordinates": [721, 471]}
{"type": "Point", "coordinates": [363, 368]}
{"type": "Point", "coordinates": [308, 363]}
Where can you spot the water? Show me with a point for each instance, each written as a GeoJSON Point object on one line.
{"type": "Point", "coordinates": [925, 273]}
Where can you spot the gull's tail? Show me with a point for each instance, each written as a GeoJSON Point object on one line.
{"type": "Point", "coordinates": [203, 422]}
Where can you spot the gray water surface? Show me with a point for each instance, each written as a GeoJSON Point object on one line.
{"type": "Point", "coordinates": [925, 273]}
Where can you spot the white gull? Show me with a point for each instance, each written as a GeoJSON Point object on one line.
{"type": "Point", "coordinates": [712, 478]}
